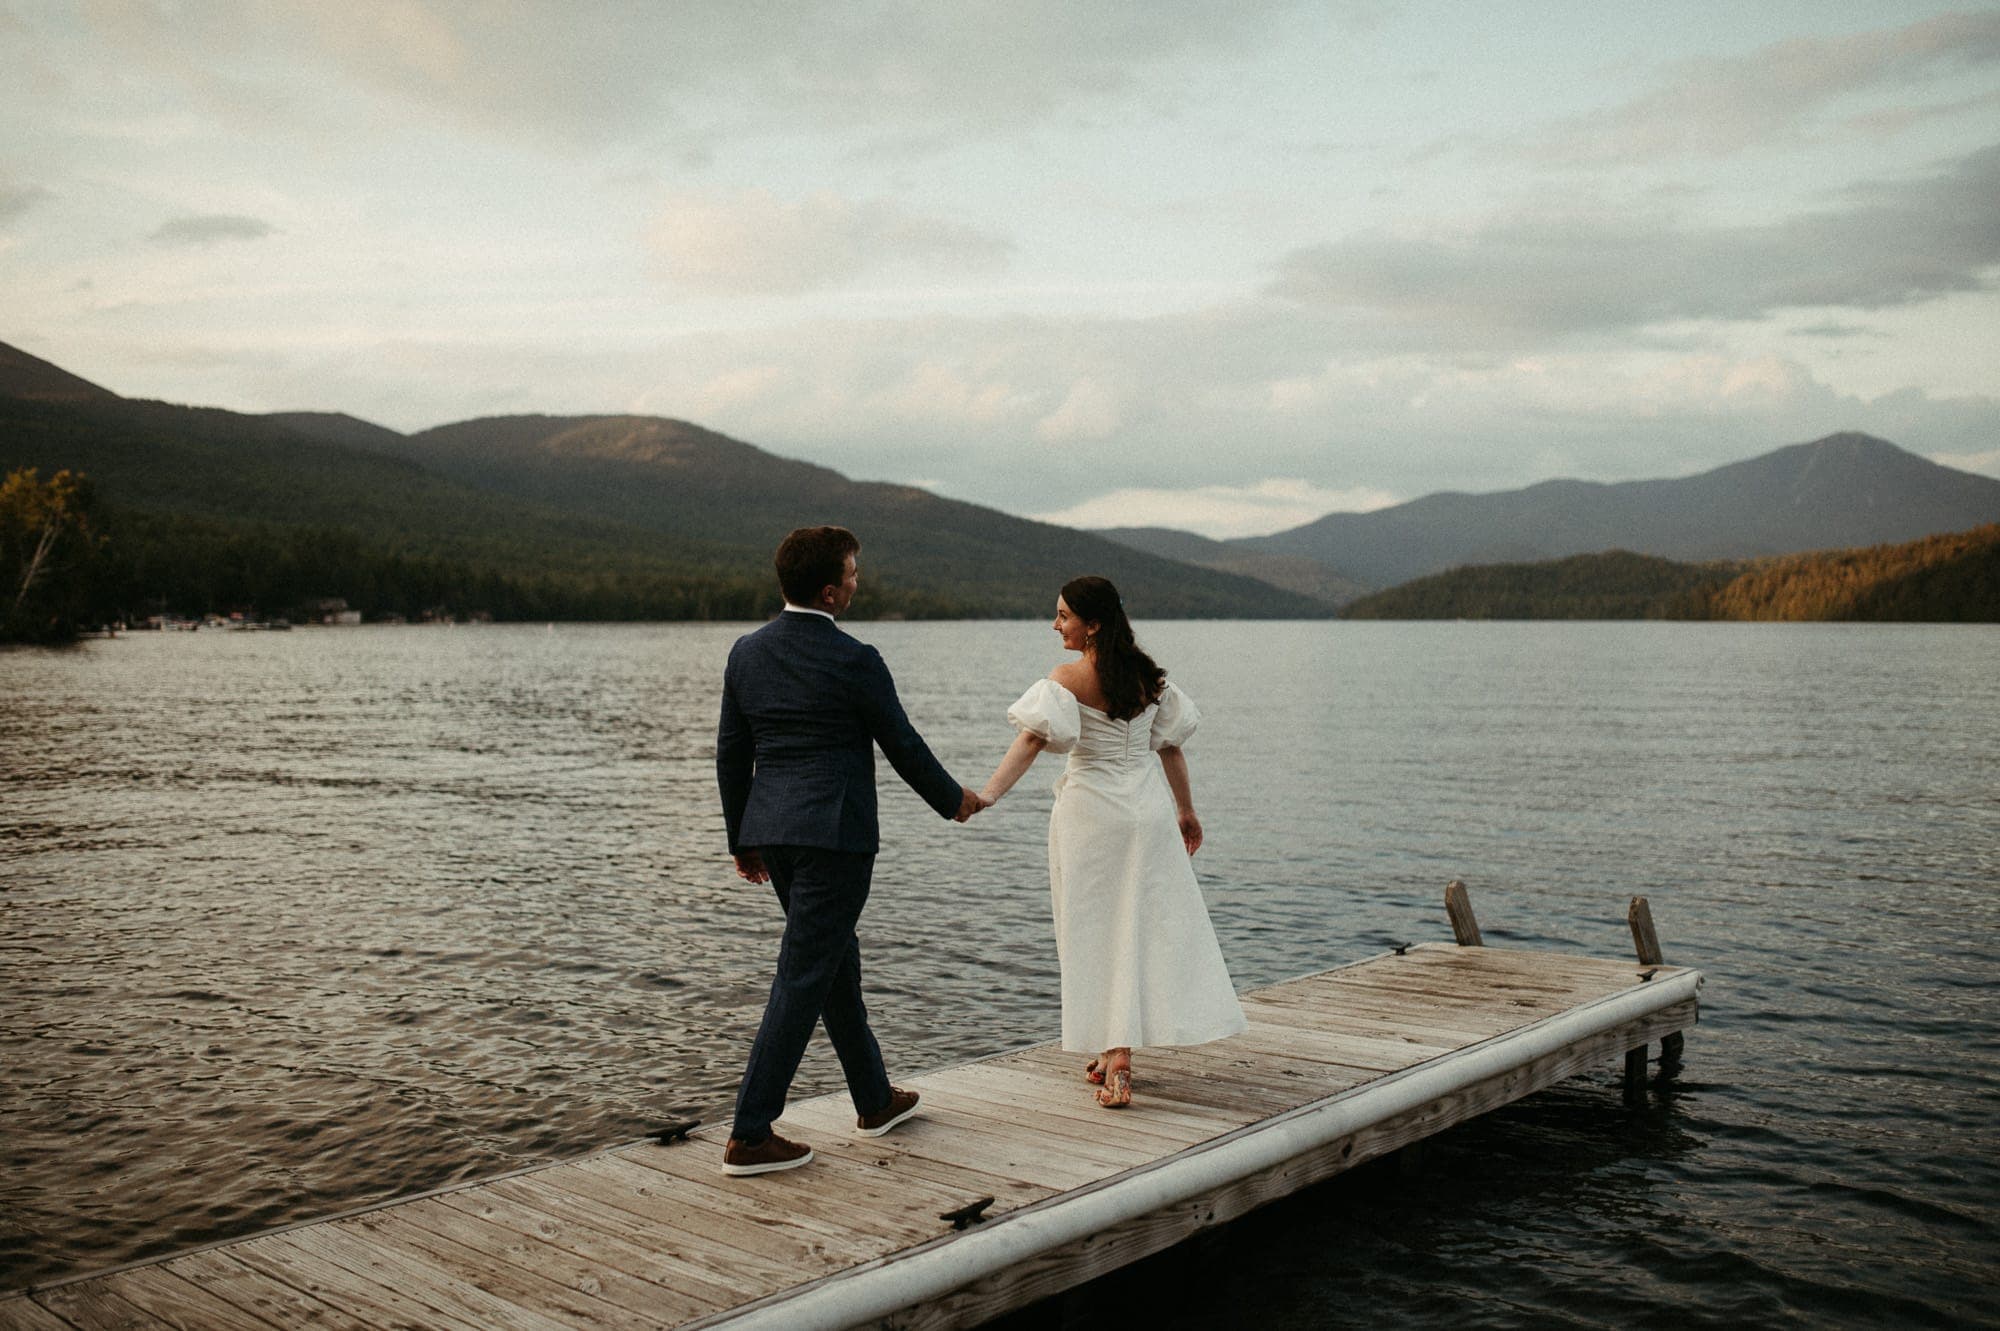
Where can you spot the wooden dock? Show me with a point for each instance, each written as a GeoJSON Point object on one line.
{"type": "Point", "coordinates": [1335, 1069]}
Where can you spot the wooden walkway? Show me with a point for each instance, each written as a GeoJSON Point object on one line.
{"type": "Point", "coordinates": [1335, 1069]}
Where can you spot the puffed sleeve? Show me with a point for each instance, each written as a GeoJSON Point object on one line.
{"type": "Point", "coordinates": [1176, 719]}
{"type": "Point", "coordinates": [1048, 710]}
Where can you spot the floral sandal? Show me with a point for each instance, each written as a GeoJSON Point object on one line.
{"type": "Point", "coordinates": [1117, 1092]}
{"type": "Point", "coordinates": [1093, 1072]}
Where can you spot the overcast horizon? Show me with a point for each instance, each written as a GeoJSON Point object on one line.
{"type": "Point", "coordinates": [1218, 267]}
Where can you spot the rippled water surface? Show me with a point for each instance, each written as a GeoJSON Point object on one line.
{"type": "Point", "coordinates": [295, 922]}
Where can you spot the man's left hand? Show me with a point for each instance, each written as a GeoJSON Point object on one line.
{"type": "Point", "coordinates": [750, 867]}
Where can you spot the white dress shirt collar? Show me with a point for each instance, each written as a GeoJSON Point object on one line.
{"type": "Point", "coordinates": [791, 609]}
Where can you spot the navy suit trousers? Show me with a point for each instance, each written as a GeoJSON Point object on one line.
{"type": "Point", "coordinates": [818, 980]}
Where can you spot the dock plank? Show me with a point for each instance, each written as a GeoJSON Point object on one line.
{"type": "Point", "coordinates": [1026, 1087]}
{"type": "Point", "coordinates": [273, 1301]}
{"type": "Point", "coordinates": [450, 1290]}
{"type": "Point", "coordinates": [97, 1307]}
{"type": "Point", "coordinates": [281, 1257]}
{"type": "Point", "coordinates": [522, 1279]}
{"type": "Point", "coordinates": [1364, 1056]}
{"type": "Point", "coordinates": [1015, 1154]}
{"type": "Point", "coordinates": [1101, 1142]}
{"type": "Point", "coordinates": [176, 1302]}
{"type": "Point", "coordinates": [1394, 991]}
{"type": "Point", "coordinates": [1252, 1088]}
{"type": "Point", "coordinates": [648, 1213]}
{"type": "Point", "coordinates": [871, 1203]}
{"type": "Point", "coordinates": [22, 1313]}
{"type": "Point", "coordinates": [1009, 1194]}
{"type": "Point", "coordinates": [842, 1232]}
{"type": "Point", "coordinates": [593, 1260]}
{"type": "Point", "coordinates": [1436, 1033]}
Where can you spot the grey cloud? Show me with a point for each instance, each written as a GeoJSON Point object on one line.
{"type": "Point", "coordinates": [698, 72]}
{"type": "Point", "coordinates": [210, 230]}
{"type": "Point", "coordinates": [1888, 121]}
{"type": "Point", "coordinates": [1714, 107]}
{"type": "Point", "coordinates": [1890, 243]}
{"type": "Point", "coordinates": [1837, 330]}
{"type": "Point", "coordinates": [751, 241]}
{"type": "Point", "coordinates": [18, 199]}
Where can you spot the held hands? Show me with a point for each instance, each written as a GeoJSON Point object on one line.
{"type": "Point", "coordinates": [1190, 831]}
{"type": "Point", "coordinates": [971, 802]}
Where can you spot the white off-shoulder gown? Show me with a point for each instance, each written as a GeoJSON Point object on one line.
{"type": "Point", "coordinates": [1140, 964]}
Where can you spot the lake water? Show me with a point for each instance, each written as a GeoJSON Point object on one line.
{"type": "Point", "coordinates": [290, 923]}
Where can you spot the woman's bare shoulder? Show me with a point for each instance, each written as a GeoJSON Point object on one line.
{"type": "Point", "coordinates": [1069, 674]}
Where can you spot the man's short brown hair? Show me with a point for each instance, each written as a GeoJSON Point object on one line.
{"type": "Point", "coordinates": [812, 559]}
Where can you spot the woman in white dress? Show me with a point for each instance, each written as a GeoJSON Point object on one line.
{"type": "Point", "coordinates": [1140, 964]}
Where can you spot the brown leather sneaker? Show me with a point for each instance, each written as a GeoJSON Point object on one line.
{"type": "Point", "coordinates": [902, 1104]}
{"type": "Point", "coordinates": [766, 1157]}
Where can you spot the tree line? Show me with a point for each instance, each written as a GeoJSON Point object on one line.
{"type": "Point", "coordinates": [72, 563]}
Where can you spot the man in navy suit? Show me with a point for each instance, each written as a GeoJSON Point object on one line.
{"type": "Point", "coordinates": [803, 707]}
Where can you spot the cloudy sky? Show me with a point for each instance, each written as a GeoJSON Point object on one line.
{"type": "Point", "coordinates": [1225, 266]}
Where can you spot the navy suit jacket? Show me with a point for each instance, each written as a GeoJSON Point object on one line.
{"type": "Point", "coordinates": [803, 707]}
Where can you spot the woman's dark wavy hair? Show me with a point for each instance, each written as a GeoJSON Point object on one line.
{"type": "Point", "coordinates": [1130, 678]}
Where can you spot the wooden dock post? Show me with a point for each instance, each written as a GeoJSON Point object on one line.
{"type": "Point", "coordinates": [1646, 942]}
{"type": "Point", "coordinates": [1459, 906]}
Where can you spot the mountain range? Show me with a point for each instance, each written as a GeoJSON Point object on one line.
{"type": "Point", "coordinates": [647, 500]}
{"type": "Point", "coordinates": [1843, 490]}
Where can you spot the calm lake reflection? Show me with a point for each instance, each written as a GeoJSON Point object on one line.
{"type": "Point", "coordinates": [295, 922]}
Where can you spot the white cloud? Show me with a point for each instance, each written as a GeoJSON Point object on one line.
{"type": "Point", "coordinates": [1090, 410]}
{"type": "Point", "coordinates": [1986, 463]}
{"type": "Point", "coordinates": [1715, 107]}
{"type": "Point", "coordinates": [945, 396]}
{"type": "Point", "coordinates": [696, 72]}
{"type": "Point", "coordinates": [1221, 511]}
{"type": "Point", "coordinates": [752, 242]}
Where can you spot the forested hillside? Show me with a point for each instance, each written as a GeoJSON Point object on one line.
{"type": "Point", "coordinates": [1614, 585]}
{"type": "Point", "coordinates": [1953, 577]}
{"type": "Point", "coordinates": [193, 510]}
{"type": "Point", "coordinates": [1940, 579]}
{"type": "Point", "coordinates": [203, 510]}
{"type": "Point", "coordinates": [675, 477]}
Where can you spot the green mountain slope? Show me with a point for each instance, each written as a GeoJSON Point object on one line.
{"type": "Point", "coordinates": [1614, 585]}
{"type": "Point", "coordinates": [224, 466]}
{"type": "Point", "coordinates": [337, 427]}
{"type": "Point", "coordinates": [23, 375]}
{"type": "Point", "coordinates": [673, 477]}
{"type": "Point", "coordinates": [593, 517]}
{"type": "Point", "coordinates": [210, 510]}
